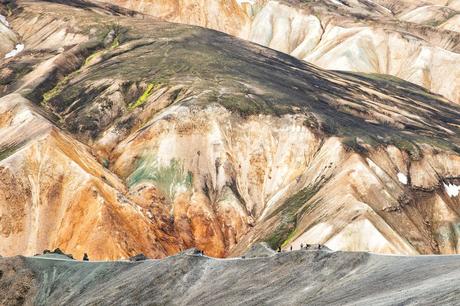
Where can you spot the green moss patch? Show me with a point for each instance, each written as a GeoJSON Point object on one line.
{"type": "Point", "coordinates": [289, 213]}
{"type": "Point", "coordinates": [169, 179]}
{"type": "Point", "coordinates": [144, 97]}
{"type": "Point", "coordinates": [9, 149]}
{"type": "Point", "coordinates": [56, 90]}
{"type": "Point", "coordinates": [97, 49]}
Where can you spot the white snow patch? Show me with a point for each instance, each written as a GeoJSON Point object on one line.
{"type": "Point", "coordinates": [452, 189]}
{"type": "Point", "coordinates": [4, 21]}
{"type": "Point", "coordinates": [16, 51]}
{"type": "Point", "coordinates": [402, 178]}
{"type": "Point", "coordinates": [337, 2]}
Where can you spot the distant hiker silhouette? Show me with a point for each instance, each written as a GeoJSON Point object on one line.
{"type": "Point", "coordinates": [85, 257]}
{"type": "Point", "coordinates": [291, 247]}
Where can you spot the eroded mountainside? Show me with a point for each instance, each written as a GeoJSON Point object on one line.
{"type": "Point", "coordinates": [417, 41]}
{"type": "Point", "coordinates": [122, 134]}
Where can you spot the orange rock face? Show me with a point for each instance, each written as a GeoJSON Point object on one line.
{"type": "Point", "coordinates": [55, 194]}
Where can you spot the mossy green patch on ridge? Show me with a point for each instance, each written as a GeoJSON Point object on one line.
{"type": "Point", "coordinates": [170, 179]}
{"type": "Point", "coordinates": [56, 90]}
{"type": "Point", "coordinates": [61, 85]}
{"type": "Point", "coordinates": [98, 48]}
{"type": "Point", "coordinates": [9, 149]}
{"type": "Point", "coordinates": [115, 44]}
{"type": "Point", "coordinates": [93, 56]}
{"type": "Point", "coordinates": [144, 97]}
{"type": "Point", "coordinates": [289, 212]}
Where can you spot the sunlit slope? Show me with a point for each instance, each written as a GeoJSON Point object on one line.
{"type": "Point", "coordinates": [152, 137]}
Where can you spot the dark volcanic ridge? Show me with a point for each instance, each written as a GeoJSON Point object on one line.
{"type": "Point", "coordinates": [315, 277]}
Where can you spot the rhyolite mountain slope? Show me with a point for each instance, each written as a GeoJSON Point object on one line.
{"type": "Point", "coordinates": [122, 134]}
{"type": "Point", "coordinates": [417, 41]}
{"type": "Point", "coordinates": [304, 277]}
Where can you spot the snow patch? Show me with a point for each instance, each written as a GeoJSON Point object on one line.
{"type": "Point", "coordinates": [337, 2]}
{"type": "Point", "coordinates": [402, 178]}
{"type": "Point", "coordinates": [452, 189]}
{"type": "Point", "coordinates": [16, 51]}
{"type": "Point", "coordinates": [4, 21]}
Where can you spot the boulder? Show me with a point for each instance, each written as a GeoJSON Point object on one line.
{"type": "Point", "coordinates": [138, 257]}
{"type": "Point", "coordinates": [58, 251]}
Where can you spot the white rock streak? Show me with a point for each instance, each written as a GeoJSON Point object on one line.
{"type": "Point", "coordinates": [4, 21]}
{"type": "Point", "coordinates": [402, 178]}
{"type": "Point", "coordinates": [16, 51]}
{"type": "Point", "coordinates": [452, 189]}
{"type": "Point", "coordinates": [337, 2]}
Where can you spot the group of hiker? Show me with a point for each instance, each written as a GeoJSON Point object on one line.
{"type": "Point", "coordinates": [197, 252]}
{"type": "Point", "coordinates": [302, 247]}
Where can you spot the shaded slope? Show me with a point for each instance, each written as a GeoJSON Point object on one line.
{"type": "Point", "coordinates": [360, 36]}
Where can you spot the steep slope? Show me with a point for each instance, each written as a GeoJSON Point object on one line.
{"type": "Point", "coordinates": [54, 193]}
{"type": "Point", "coordinates": [294, 278]}
{"type": "Point", "coordinates": [195, 138]}
{"type": "Point", "coordinates": [358, 36]}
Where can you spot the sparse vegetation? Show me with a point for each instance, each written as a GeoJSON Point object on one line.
{"type": "Point", "coordinates": [169, 179]}
{"type": "Point", "coordinates": [9, 149]}
{"type": "Point", "coordinates": [144, 96]}
{"type": "Point", "coordinates": [56, 90]}
{"type": "Point", "coordinates": [352, 144]}
{"type": "Point", "coordinates": [96, 44]}
{"type": "Point", "coordinates": [246, 107]}
{"type": "Point", "coordinates": [289, 213]}
{"type": "Point", "coordinates": [93, 56]}
{"type": "Point", "coordinates": [408, 146]}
